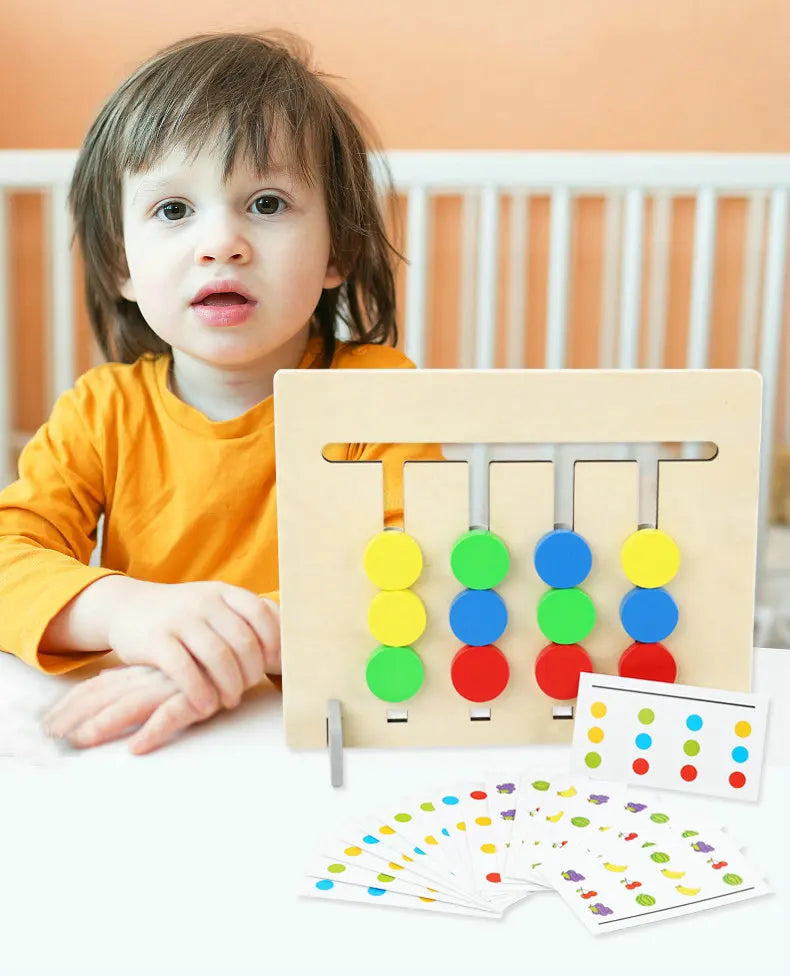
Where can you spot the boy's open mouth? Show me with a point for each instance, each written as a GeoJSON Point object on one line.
{"type": "Point", "coordinates": [223, 298]}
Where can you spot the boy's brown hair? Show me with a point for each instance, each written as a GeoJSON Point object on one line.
{"type": "Point", "coordinates": [251, 86]}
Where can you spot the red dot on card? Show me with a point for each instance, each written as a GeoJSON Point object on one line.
{"type": "Point", "coordinates": [737, 780]}
{"type": "Point", "coordinates": [478, 795]}
{"type": "Point", "coordinates": [495, 876]}
{"type": "Point", "coordinates": [640, 766]}
{"type": "Point", "coordinates": [689, 773]}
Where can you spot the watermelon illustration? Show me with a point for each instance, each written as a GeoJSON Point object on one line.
{"type": "Point", "coordinates": [660, 857]}
{"type": "Point", "coordinates": [645, 900]}
{"type": "Point", "coordinates": [732, 879]}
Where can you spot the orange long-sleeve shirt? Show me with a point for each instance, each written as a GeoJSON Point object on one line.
{"type": "Point", "coordinates": [185, 498]}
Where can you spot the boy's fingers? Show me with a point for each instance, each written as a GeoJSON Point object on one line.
{"type": "Point", "coordinates": [176, 660]}
{"type": "Point", "coordinates": [119, 717]}
{"type": "Point", "coordinates": [262, 616]}
{"type": "Point", "coordinates": [210, 651]}
{"type": "Point", "coordinates": [244, 643]}
{"type": "Point", "coordinates": [85, 699]}
{"type": "Point", "coordinates": [173, 715]}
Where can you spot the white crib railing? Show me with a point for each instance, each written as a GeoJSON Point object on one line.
{"type": "Point", "coordinates": [483, 179]}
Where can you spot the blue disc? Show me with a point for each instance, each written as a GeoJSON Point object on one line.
{"type": "Point", "coordinates": [648, 615]}
{"type": "Point", "coordinates": [563, 559]}
{"type": "Point", "coordinates": [478, 617]}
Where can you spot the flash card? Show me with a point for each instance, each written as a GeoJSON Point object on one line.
{"type": "Point", "coordinates": [669, 736]}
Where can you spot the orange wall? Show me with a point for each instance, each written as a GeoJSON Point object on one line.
{"type": "Point", "coordinates": [512, 74]}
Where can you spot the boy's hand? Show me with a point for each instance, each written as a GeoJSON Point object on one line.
{"type": "Point", "coordinates": [212, 639]}
{"type": "Point", "coordinates": [117, 700]}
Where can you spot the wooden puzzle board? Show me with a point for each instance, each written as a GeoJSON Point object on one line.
{"type": "Point", "coordinates": [329, 511]}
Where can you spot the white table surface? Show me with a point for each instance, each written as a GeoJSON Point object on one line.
{"type": "Point", "coordinates": [187, 861]}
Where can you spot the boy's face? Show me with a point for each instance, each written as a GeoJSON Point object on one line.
{"type": "Point", "coordinates": [184, 229]}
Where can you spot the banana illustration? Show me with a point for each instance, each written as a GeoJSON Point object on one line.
{"type": "Point", "coordinates": [571, 791]}
{"type": "Point", "coordinates": [614, 867]}
{"type": "Point", "coordinates": [687, 891]}
{"type": "Point", "coordinates": [672, 874]}
{"type": "Point", "coordinates": [556, 817]}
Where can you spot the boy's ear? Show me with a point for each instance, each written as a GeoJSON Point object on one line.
{"type": "Point", "coordinates": [333, 276]}
{"type": "Point", "coordinates": [126, 289]}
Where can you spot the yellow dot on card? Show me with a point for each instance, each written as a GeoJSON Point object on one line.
{"type": "Point", "coordinates": [353, 851]}
{"type": "Point", "coordinates": [595, 734]}
{"type": "Point", "coordinates": [393, 560]}
{"type": "Point", "coordinates": [488, 848]}
{"type": "Point", "coordinates": [650, 558]}
{"type": "Point", "coordinates": [461, 825]}
{"type": "Point", "coordinates": [396, 867]}
{"type": "Point", "coordinates": [406, 857]}
{"type": "Point", "coordinates": [396, 618]}
{"type": "Point", "coordinates": [743, 729]}
{"type": "Point", "coordinates": [483, 821]}
{"type": "Point", "coordinates": [430, 839]}
{"type": "Point", "coordinates": [386, 830]}
{"type": "Point", "coordinates": [598, 709]}
{"type": "Point", "coordinates": [423, 898]}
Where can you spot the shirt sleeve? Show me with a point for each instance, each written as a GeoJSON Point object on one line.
{"type": "Point", "coordinates": [48, 521]}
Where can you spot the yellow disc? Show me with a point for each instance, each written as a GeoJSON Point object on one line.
{"type": "Point", "coordinates": [598, 709]}
{"type": "Point", "coordinates": [595, 734]}
{"type": "Point", "coordinates": [743, 729]}
{"type": "Point", "coordinates": [393, 560]}
{"type": "Point", "coordinates": [650, 558]}
{"type": "Point", "coordinates": [396, 617]}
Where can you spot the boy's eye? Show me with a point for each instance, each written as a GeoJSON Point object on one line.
{"type": "Point", "coordinates": [267, 205]}
{"type": "Point", "coordinates": [173, 210]}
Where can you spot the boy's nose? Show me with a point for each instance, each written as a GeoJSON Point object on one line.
{"type": "Point", "coordinates": [223, 246]}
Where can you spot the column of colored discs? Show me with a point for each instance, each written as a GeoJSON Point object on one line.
{"type": "Point", "coordinates": [478, 615]}
{"type": "Point", "coordinates": [566, 614]}
{"type": "Point", "coordinates": [649, 614]}
{"type": "Point", "coordinates": [396, 616]}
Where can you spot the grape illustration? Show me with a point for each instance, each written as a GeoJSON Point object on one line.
{"type": "Point", "coordinates": [597, 798]}
{"type": "Point", "coordinates": [635, 807]}
{"type": "Point", "coordinates": [571, 875]}
{"type": "Point", "coordinates": [732, 879]}
{"type": "Point", "coordinates": [702, 847]}
{"type": "Point", "coordinates": [506, 788]}
{"type": "Point", "coordinates": [508, 814]}
{"type": "Point", "coordinates": [599, 909]}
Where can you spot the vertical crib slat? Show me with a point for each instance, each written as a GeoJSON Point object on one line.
{"type": "Point", "coordinates": [487, 278]}
{"type": "Point", "coordinates": [559, 269]}
{"type": "Point", "coordinates": [61, 363]}
{"type": "Point", "coordinates": [631, 279]}
{"type": "Point", "coordinates": [750, 279]}
{"type": "Point", "coordinates": [607, 332]}
{"type": "Point", "coordinates": [517, 281]}
{"type": "Point", "coordinates": [467, 280]}
{"type": "Point", "coordinates": [659, 280]}
{"type": "Point", "coordinates": [702, 279]}
{"type": "Point", "coordinates": [416, 273]}
{"type": "Point", "coordinates": [770, 341]}
{"type": "Point", "coordinates": [6, 368]}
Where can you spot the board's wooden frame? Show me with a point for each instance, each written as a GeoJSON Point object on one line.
{"type": "Point", "coordinates": [329, 511]}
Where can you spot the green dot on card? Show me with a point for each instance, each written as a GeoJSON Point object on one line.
{"type": "Point", "coordinates": [646, 716]}
{"type": "Point", "coordinates": [691, 747]}
{"type": "Point", "coordinates": [427, 806]}
{"type": "Point", "coordinates": [336, 868]}
{"type": "Point", "coordinates": [593, 760]}
{"type": "Point", "coordinates": [403, 817]}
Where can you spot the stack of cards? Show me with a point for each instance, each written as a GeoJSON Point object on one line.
{"type": "Point", "coordinates": [615, 858]}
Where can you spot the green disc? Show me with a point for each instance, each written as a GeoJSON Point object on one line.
{"type": "Point", "coordinates": [566, 616]}
{"type": "Point", "coordinates": [394, 674]}
{"type": "Point", "coordinates": [479, 559]}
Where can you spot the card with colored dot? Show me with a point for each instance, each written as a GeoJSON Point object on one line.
{"type": "Point", "coordinates": [334, 890]}
{"type": "Point", "coordinates": [670, 736]}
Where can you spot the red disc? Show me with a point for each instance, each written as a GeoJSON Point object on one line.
{"type": "Point", "coordinates": [640, 766]}
{"type": "Point", "coordinates": [689, 773]}
{"type": "Point", "coordinates": [479, 673]}
{"type": "Point", "coordinates": [737, 780]}
{"type": "Point", "coordinates": [649, 662]}
{"type": "Point", "coordinates": [494, 877]}
{"type": "Point", "coordinates": [478, 795]}
{"type": "Point", "coordinates": [558, 668]}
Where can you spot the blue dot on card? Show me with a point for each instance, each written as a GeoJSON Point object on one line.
{"type": "Point", "coordinates": [369, 839]}
{"type": "Point", "coordinates": [450, 800]}
{"type": "Point", "coordinates": [376, 891]}
{"type": "Point", "coordinates": [694, 723]}
{"type": "Point", "coordinates": [418, 851]}
{"type": "Point", "coordinates": [445, 831]}
{"type": "Point", "coordinates": [325, 885]}
{"type": "Point", "coordinates": [643, 741]}
{"type": "Point", "coordinates": [740, 754]}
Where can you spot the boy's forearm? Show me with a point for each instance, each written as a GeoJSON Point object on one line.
{"type": "Point", "coordinates": [83, 624]}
